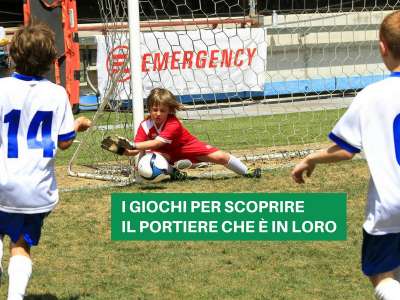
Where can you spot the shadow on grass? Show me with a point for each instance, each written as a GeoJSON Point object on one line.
{"type": "Point", "coordinates": [43, 297]}
{"type": "Point", "coordinates": [149, 187]}
{"type": "Point", "coordinates": [160, 185]}
{"type": "Point", "coordinates": [50, 297]}
{"type": "Point", "coordinates": [154, 186]}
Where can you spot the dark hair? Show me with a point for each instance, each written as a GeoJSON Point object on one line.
{"type": "Point", "coordinates": [160, 96]}
{"type": "Point", "coordinates": [389, 33]}
{"type": "Point", "coordinates": [33, 49]}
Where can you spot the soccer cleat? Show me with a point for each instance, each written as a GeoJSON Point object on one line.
{"type": "Point", "coordinates": [253, 173]}
{"type": "Point", "coordinates": [178, 175]}
{"type": "Point", "coordinates": [183, 164]}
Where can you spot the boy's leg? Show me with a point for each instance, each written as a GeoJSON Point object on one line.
{"type": "Point", "coordinates": [230, 162]}
{"type": "Point", "coordinates": [386, 286]}
{"type": "Point", "coordinates": [380, 259]}
{"type": "Point", "coordinates": [234, 164]}
{"type": "Point", "coordinates": [19, 269]}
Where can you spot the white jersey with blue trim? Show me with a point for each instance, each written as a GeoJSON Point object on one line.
{"type": "Point", "coordinates": [372, 125]}
{"type": "Point", "coordinates": [34, 115]}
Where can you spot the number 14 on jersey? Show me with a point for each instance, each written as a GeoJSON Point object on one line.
{"type": "Point", "coordinates": [41, 119]}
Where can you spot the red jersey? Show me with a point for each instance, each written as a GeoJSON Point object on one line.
{"type": "Point", "coordinates": [179, 143]}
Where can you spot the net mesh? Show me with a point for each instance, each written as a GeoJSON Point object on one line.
{"type": "Point", "coordinates": [264, 80]}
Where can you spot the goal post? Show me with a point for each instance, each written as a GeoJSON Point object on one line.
{"type": "Point", "coordinates": [125, 120]}
{"type": "Point", "coordinates": [135, 59]}
{"type": "Point", "coordinates": [263, 80]}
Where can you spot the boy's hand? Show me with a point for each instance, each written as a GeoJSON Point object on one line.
{"type": "Point", "coordinates": [117, 144]}
{"type": "Point", "coordinates": [82, 124]}
{"type": "Point", "coordinates": [304, 165]}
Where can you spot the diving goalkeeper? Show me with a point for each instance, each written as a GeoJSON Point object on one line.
{"type": "Point", "coordinates": [164, 133]}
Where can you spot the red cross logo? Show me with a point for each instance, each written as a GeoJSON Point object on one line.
{"type": "Point", "coordinates": [116, 60]}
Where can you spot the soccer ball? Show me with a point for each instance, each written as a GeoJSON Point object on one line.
{"type": "Point", "coordinates": [153, 167]}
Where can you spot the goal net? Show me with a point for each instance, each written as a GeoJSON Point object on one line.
{"type": "Point", "coordinates": [263, 80]}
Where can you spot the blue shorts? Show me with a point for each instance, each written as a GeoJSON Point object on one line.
{"type": "Point", "coordinates": [29, 226]}
{"type": "Point", "coordinates": [380, 253]}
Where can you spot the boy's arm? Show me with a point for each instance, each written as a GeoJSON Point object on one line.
{"type": "Point", "coordinates": [80, 124]}
{"type": "Point", "coordinates": [172, 128]}
{"type": "Point", "coordinates": [141, 143]}
{"type": "Point", "coordinates": [331, 154]}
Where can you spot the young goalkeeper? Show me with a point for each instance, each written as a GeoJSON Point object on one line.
{"type": "Point", "coordinates": [163, 132]}
{"type": "Point", "coordinates": [35, 118]}
{"type": "Point", "coordinates": [372, 124]}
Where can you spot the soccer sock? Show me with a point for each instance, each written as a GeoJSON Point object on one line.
{"type": "Point", "coordinates": [19, 271]}
{"type": "Point", "coordinates": [235, 165]}
{"type": "Point", "coordinates": [387, 289]}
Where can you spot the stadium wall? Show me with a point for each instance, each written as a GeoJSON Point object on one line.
{"type": "Point", "coordinates": [322, 52]}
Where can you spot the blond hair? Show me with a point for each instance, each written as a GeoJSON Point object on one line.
{"type": "Point", "coordinates": [160, 96]}
{"type": "Point", "coordinates": [389, 33]}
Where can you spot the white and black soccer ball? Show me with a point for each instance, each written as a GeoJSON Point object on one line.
{"type": "Point", "coordinates": [153, 167]}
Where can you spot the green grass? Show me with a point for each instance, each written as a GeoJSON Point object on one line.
{"type": "Point", "coordinates": [77, 260]}
{"type": "Point", "coordinates": [266, 131]}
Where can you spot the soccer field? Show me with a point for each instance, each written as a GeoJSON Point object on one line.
{"type": "Point", "coordinates": [77, 260]}
{"type": "Point", "coordinates": [266, 82]}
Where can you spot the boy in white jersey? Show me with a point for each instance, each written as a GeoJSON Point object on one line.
{"type": "Point", "coordinates": [372, 124]}
{"type": "Point", "coordinates": [35, 118]}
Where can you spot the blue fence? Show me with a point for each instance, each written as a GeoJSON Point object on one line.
{"type": "Point", "coordinates": [281, 88]}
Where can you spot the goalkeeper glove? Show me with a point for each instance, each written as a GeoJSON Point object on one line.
{"type": "Point", "coordinates": [117, 144]}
